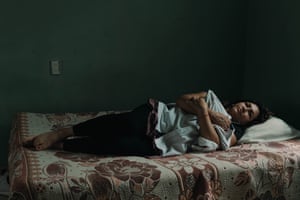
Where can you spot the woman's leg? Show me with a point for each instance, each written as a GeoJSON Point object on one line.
{"type": "Point", "coordinates": [107, 127]}
{"type": "Point", "coordinates": [115, 125]}
{"type": "Point", "coordinates": [118, 134]}
{"type": "Point", "coordinates": [48, 139]}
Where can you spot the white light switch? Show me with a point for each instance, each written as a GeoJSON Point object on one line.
{"type": "Point", "coordinates": [55, 67]}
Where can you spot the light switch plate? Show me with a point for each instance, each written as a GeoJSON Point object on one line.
{"type": "Point", "coordinates": [55, 67]}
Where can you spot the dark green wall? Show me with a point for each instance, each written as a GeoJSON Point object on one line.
{"type": "Point", "coordinates": [273, 56]}
{"type": "Point", "coordinates": [115, 54]}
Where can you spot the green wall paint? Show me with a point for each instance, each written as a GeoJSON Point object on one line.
{"type": "Point", "coordinates": [273, 56]}
{"type": "Point", "coordinates": [115, 54]}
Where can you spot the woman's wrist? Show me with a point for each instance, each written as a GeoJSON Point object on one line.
{"type": "Point", "coordinates": [202, 118]}
{"type": "Point", "coordinates": [202, 115]}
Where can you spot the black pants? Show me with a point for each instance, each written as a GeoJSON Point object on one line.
{"type": "Point", "coordinates": [117, 134]}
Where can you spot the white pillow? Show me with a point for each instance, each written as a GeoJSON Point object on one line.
{"type": "Point", "coordinates": [274, 129]}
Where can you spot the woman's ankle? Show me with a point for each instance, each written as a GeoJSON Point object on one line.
{"type": "Point", "coordinates": [66, 132]}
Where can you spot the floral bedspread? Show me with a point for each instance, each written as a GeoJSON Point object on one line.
{"type": "Point", "coordinates": [249, 171]}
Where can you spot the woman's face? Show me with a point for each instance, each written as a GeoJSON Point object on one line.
{"type": "Point", "coordinates": [243, 112]}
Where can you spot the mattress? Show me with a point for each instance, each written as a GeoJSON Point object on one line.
{"type": "Point", "coordinates": [250, 171]}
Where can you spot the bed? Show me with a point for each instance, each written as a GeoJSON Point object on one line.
{"type": "Point", "coordinates": [265, 170]}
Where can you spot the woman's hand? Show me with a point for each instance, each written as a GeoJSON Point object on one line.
{"type": "Point", "coordinates": [190, 103]}
{"type": "Point", "coordinates": [220, 119]}
{"type": "Point", "coordinates": [200, 106]}
{"type": "Point", "coordinates": [195, 104]}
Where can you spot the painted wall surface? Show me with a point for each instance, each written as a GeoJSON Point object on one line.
{"type": "Point", "coordinates": [115, 54]}
{"type": "Point", "coordinates": [273, 56]}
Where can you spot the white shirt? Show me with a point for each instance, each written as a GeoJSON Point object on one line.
{"type": "Point", "coordinates": [181, 130]}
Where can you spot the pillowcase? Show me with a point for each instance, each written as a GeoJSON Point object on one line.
{"type": "Point", "coordinates": [272, 130]}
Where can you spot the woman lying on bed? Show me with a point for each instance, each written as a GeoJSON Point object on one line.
{"type": "Point", "coordinates": [197, 122]}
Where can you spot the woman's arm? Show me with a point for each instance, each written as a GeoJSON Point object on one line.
{"type": "Point", "coordinates": [233, 140]}
{"type": "Point", "coordinates": [185, 103]}
{"type": "Point", "coordinates": [207, 129]}
{"type": "Point", "coordinates": [194, 103]}
{"type": "Point", "coordinates": [220, 119]}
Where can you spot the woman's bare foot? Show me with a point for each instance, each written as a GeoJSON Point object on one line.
{"type": "Point", "coordinates": [48, 139]}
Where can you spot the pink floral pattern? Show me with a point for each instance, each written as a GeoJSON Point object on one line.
{"type": "Point", "coordinates": [141, 178]}
{"type": "Point", "coordinates": [249, 171]}
{"type": "Point", "coordinates": [198, 177]}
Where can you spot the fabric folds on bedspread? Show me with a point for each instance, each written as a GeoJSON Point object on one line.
{"type": "Point", "coordinates": [250, 171]}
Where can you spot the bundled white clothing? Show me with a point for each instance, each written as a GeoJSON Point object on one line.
{"type": "Point", "coordinates": [180, 131]}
